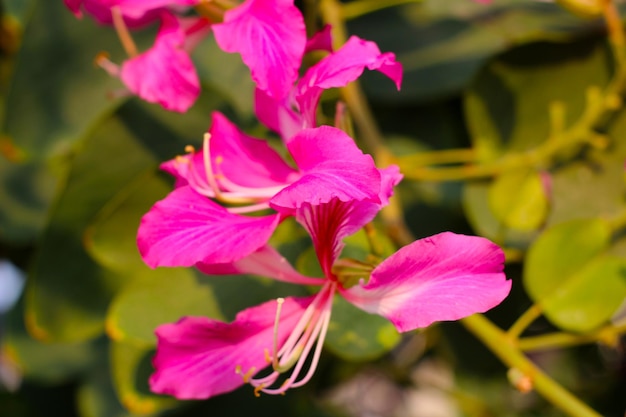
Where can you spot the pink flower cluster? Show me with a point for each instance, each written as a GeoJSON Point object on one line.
{"type": "Point", "coordinates": [231, 195]}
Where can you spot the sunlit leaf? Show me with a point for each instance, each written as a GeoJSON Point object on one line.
{"type": "Point", "coordinates": [518, 199]}
{"type": "Point", "coordinates": [569, 276]}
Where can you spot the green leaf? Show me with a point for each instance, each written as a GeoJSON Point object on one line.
{"type": "Point", "coordinates": [356, 335]}
{"type": "Point", "coordinates": [446, 43]}
{"type": "Point", "coordinates": [507, 105]}
{"type": "Point", "coordinates": [26, 190]}
{"type": "Point", "coordinates": [96, 397]}
{"type": "Point", "coordinates": [518, 200]}
{"type": "Point", "coordinates": [131, 368]}
{"type": "Point", "coordinates": [475, 201]}
{"type": "Point", "coordinates": [55, 82]}
{"type": "Point", "coordinates": [68, 292]}
{"type": "Point", "coordinates": [159, 296]}
{"type": "Point", "coordinates": [50, 363]}
{"type": "Point", "coordinates": [569, 276]}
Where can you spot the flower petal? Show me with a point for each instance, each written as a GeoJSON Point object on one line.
{"type": "Point", "coordinates": [266, 262]}
{"type": "Point", "coordinates": [246, 160]}
{"type": "Point", "coordinates": [165, 73]}
{"type": "Point", "coordinates": [276, 114]}
{"type": "Point", "coordinates": [186, 228]}
{"type": "Point", "coordinates": [198, 357]}
{"type": "Point", "coordinates": [332, 166]}
{"type": "Point", "coordinates": [339, 69]}
{"type": "Point", "coordinates": [270, 36]}
{"type": "Point", "coordinates": [443, 277]}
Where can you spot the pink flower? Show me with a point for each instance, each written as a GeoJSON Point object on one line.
{"type": "Point", "coordinates": [204, 220]}
{"type": "Point", "coordinates": [165, 74]}
{"type": "Point", "coordinates": [443, 277]}
{"type": "Point", "coordinates": [135, 12]}
{"type": "Point", "coordinates": [335, 70]}
{"type": "Point", "coordinates": [270, 36]}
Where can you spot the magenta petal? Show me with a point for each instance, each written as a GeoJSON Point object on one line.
{"type": "Point", "coordinates": [270, 36]}
{"type": "Point", "coordinates": [74, 6]}
{"type": "Point", "coordinates": [186, 228]}
{"type": "Point", "coordinates": [246, 160]}
{"type": "Point", "coordinates": [339, 69]}
{"type": "Point", "coordinates": [442, 277]}
{"type": "Point", "coordinates": [321, 40]}
{"type": "Point", "coordinates": [266, 262]}
{"type": "Point", "coordinates": [136, 9]}
{"type": "Point", "coordinates": [276, 114]}
{"type": "Point", "coordinates": [332, 166]}
{"type": "Point", "coordinates": [165, 73]}
{"type": "Point", "coordinates": [197, 357]}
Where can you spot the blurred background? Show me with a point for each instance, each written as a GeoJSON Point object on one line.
{"type": "Point", "coordinates": [79, 167]}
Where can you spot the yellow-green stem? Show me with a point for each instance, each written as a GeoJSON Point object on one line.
{"type": "Point", "coordinates": [360, 8]}
{"type": "Point", "coordinates": [608, 335]}
{"type": "Point", "coordinates": [367, 128]}
{"type": "Point", "coordinates": [523, 321]}
{"type": "Point", "coordinates": [506, 350]}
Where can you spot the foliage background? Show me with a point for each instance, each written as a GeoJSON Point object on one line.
{"type": "Point", "coordinates": [493, 83]}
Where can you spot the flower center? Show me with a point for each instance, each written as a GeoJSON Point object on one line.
{"type": "Point", "coordinates": [215, 184]}
{"type": "Point", "coordinates": [303, 344]}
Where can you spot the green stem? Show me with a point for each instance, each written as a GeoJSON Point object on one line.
{"type": "Point", "coordinates": [506, 350]}
{"type": "Point", "coordinates": [363, 7]}
{"type": "Point", "coordinates": [525, 320]}
{"type": "Point", "coordinates": [352, 94]}
{"type": "Point", "coordinates": [608, 335]}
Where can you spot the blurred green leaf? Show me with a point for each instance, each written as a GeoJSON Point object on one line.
{"type": "Point", "coordinates": [568, 275]}
{"type": "Point", "coordinates": [155, 297]}
{"type": "Point", "coordinates": [26, 190]}
{"type": "Point", "coordinates": [444, 44]}
{"type": "Point", "coordinates": [68, 292]}
{"type": "Point", "coordinates": [518, 200]}
{"type": "Point", "coordinates": [508, 103]}
{"type": "Point", "coordinates": [356, 335]}
{"type": "Point", "coordinates": [56, 83]}
{"type": "Point", "coordinates": [51, 363]}
{"type": "Point", "coordinates": [480, 216]}
{"type": "Point", "coordinates": [131, 368]}
{"type": "Point", "coordinates": [96, 397]}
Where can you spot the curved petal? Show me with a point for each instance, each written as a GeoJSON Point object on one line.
{"type": "Point", "coordinates": [198, 357]}
{"type": "Point", "coordinates": [332, 166]}
{"type": "Point", "coordinates": [276, 114]}
{"type": "Point", "coordinates": [270, 36]}
{"type": "Point", "coordinates": [165, 73]}
{"type": "Point", "coordinates": [339, 69]}
{"type": "Point", "coordinates": [322, 40]}
{"type": "Point", "coordinates": [186, 228]}
{"type": "Point", "coordinates": [266, 262]}
{"type": "Point", "coordinates": [443, 277]}
{"type": "Point", "coordinates": [246, 160]}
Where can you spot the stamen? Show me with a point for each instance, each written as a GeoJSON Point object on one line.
{"type": "Point", "coordinates": [102, 60]}
{"type": "Point", "coordinates": [268, 358]}
{"type": "Point", "coordinates": [122, 32]}
{"type": "Point", "coordinates": [247, 376]}
{"type": "Point", "coordinates": [279, 306]}
{"type": "Point", "coordinates": [208, 166]}
{"type": "Point", "coordinates": [190, 149]}
{"type": "Point", "coordinates": [257, 390]}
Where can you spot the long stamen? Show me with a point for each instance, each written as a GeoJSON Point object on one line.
{"type": "Point", "coordinates": [208, 165]}
{"type": "Point", "coordinates": [122, 32]}
{"type": "Point", "coordinates": [310, 331]}
{"type": "Point", "coordinates": [279, 306]}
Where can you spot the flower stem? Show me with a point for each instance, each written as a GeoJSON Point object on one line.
{"type": "Point", "coordinates": [363, 7]}
{"type": "Point", "coordinates": [525, 320]}
{"type": "Point", "coordinates": [367, 128]}
{"type": "Point", "coordinates": [506, 350]}
{"type": "Point", "coordinates": [608, 335]}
